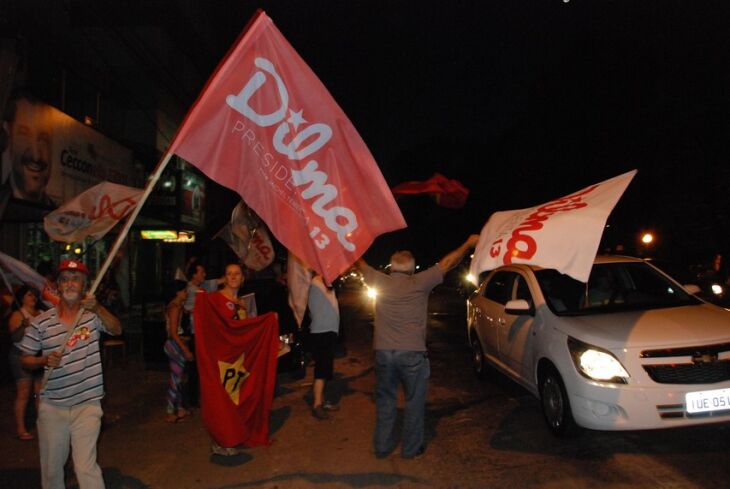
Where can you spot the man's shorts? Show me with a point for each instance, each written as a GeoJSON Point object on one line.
{"type": "Point", "coordinates": [323, 352]}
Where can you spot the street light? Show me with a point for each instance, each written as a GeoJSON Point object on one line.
{"type": "Point", "coordinates": [647, 240]}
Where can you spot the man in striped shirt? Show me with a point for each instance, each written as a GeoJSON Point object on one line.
{"type": "Point", "coordinates": [70, 411]}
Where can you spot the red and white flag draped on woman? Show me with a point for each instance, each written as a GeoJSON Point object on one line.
{"type": "Point", "coordinates": [266, 127]}
{"type": "Point", "coordinates": [237, 365]}
{"type": "Point", "coordinates": [563, 234]}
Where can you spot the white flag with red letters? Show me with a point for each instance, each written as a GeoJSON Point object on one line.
{"type": "Point", "coordinates": [563, 234]}
{"type": "Point", "coordinates": [91, 213]}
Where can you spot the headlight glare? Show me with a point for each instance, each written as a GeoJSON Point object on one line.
{"type": "Point", "coordinates": [372, 293]}
{"type": "Point", "coordinates": [596, 364]}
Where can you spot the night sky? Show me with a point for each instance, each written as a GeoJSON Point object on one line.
{"type": "Point", "coordinates": [522, 101]}
{"type": "Point", "coordinates": [528, 101]}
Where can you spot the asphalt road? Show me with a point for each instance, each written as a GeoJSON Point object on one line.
{"type": "Point", "coordinates": [479, 434]}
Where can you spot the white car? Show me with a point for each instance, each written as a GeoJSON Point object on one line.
{"type": "Point", "coordinates": [630, 350]}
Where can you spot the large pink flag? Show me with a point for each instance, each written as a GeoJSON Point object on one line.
{"type": "Point", "coordinates": [563, 234]}
{"type": "Point", "coordinates": [266, 127]}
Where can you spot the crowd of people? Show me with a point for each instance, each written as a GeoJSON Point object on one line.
{"type": "Point", "coordinates": [56, 359]}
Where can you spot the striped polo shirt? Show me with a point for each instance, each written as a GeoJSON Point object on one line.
{"type": "Point", "coordinates": [78, 378]}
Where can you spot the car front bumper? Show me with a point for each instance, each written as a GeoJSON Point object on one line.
{"type": "Point", "coordinates": [602, 406]}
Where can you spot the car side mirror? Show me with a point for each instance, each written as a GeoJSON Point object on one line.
{"type": "Point", "coordinates": [519, 307]}
{"type": "Point", "coordinates": [692, 289]}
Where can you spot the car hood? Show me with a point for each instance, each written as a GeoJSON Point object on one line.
{"type": "Point", "coordinates": [687, 325]}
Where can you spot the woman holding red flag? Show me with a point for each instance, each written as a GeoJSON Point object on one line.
{"type": "Point", "coordinates": [236, 357]}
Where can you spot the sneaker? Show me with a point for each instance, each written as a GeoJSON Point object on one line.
{"type": "Point", "coordinates": [328, 406]}
{"type": "Point", "coordinates": [225, 451]}
{"type": "Point", "coordinates": [183, 413]}
{"type": "Point", "coordinates": [320, 413]}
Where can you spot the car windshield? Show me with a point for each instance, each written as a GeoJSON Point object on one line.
{"type": "Point", "coordinates": [611, 287]}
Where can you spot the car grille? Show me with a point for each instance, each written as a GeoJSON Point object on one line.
{"type": "Point", "coordinates": [692, 373]}
{"type": "Point", "coordinates": [704, 369]}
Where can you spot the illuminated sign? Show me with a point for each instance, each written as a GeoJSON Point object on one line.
{"type": "Point", "coordinates": [182, 237]}
{"type": "Point", "coordinates": [158, 234]}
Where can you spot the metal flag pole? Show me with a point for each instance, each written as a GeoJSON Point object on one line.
{"type": "Point", "coordinates": [154, 177]}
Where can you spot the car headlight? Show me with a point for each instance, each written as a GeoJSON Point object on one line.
{"type": "Point", "coordinates": [372, 293]}
{"type": "Point", "coordinates": [596, 363]}
{"type": "Point", "coordinates": [717, 289]}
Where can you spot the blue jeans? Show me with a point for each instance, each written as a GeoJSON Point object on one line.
{"type": "Point", "coordinates": [412, 370]}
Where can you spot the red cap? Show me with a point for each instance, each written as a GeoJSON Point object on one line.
{"type": "Point", "coordinates": [73, 266]}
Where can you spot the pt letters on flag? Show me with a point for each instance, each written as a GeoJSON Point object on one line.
{"type": "Point", "coordinates": [237, 368]}
{"type": "Point", "coordinates": [563, 234]}
{"type": "Point", "coordinates": [91, 213]}
{"type": "Point", "coordinates": [448, 193]}
{"type": "Point", "coordinates": [266, 127]}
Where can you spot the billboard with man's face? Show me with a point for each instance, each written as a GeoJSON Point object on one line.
{"type": "Point", "coordinates": [50, 157]}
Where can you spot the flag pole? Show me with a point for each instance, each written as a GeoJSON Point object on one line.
{"type": "Point", "coordinates": [154, 177]}
{"type": "Point", "coordinates": [152, 181]}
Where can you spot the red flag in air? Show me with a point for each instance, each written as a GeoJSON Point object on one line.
{"type": "Point", "coordinates": [448, 193]}
{"type": "Point", "coordinates": [237, 368]}
{"type": "Point", "coordinates": [266, 127]}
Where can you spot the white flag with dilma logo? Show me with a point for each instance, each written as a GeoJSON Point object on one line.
{"type": "Point", "coordinates": [91, 213]}
{"type": "Point", "coordinates": [563, 234]}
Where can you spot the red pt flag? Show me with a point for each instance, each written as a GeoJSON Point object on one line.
{"type": "Point", "coordinates": [237, 368]}
{"type": "Point", "coordinates": [266, 127]}
{"type": "Point", "coordinates": [448, 193]}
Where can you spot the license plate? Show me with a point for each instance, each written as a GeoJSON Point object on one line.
{"type": "Point", "coordinates": [706, 401]}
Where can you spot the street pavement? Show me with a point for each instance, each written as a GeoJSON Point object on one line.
{"type": "Point", "coordinates": [479, 434]}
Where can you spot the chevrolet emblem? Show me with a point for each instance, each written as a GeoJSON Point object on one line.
{"type": "Point", "coordinates": [704, 358]}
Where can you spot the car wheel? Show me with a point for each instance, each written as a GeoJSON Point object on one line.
{"type": "Point", "coordinates": [477, 357]}
{"type": "Point", "coordinates": [555, 403]}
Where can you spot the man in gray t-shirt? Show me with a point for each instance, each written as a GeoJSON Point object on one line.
{"type": "Point", "coordinates": [401, 312]}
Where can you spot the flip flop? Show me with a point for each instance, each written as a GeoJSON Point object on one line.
{"type": "Point", "coordinates": [181, 414]}
{"type": "Point", "coordinates": [26, 436]}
